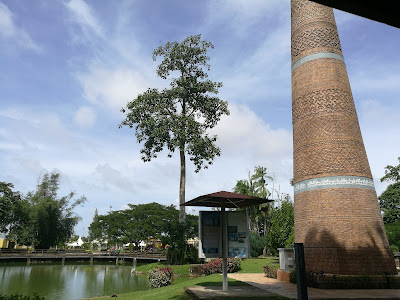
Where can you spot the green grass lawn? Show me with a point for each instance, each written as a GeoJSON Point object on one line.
{"type": "Point", "coordinates": [182, 279]}
{"type": "Point", "coordinates": [256, 265]}
{"type": "Point", "coordinates": [176, 290]}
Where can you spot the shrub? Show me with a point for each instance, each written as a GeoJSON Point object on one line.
{"type": "Point", "coordinates": [271, 271]}
{"type": "Point", "coordinates": [186, 254]}
{"type": "Point", "coordinates": [21, 297]}
{"type": "Point", "coordinates": [257, 244]}
{"type": "Point", "coordinates": [292, 276]}
{"type": "Point", "coordinates": [215, 266]}
{"type": "Point", "coordinates": [179, 252]}
{"type": "Point", "coordinates": [234, 265]}
{"type": "Point", "coordinates": [160, 277]}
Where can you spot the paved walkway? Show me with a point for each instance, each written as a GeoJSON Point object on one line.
{"type": "Point", "coordinates": [216, 292]}
{"type": "Point", "coordinates": [261, 287]}
{"type": "Point", "coordinates": [289, 290]}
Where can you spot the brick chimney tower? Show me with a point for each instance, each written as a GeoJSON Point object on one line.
{"type": "Point", "coordinates": [337, 214]}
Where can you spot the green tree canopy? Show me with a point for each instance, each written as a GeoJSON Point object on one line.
{"type": "Point", "coordinates": [389, 200]}
{"type": "Point", "coordinates": [271, 224]}
{"type": "Point", "coordinates": [139, 222]}
{"type": "Point", "coordinates": [393, 234]}
{"type": "Point", "coordinates": [281, 230]}
{"type": "Point", "coordinates": [8, 200]}
{"type": "Point", "coordinates": [41, 217]}
{"type": "Point", "coordinates": [392, 173]}
{"type": "Point", "coordinates": [256, 186]}
{"type": "Point", "coordinates": [178, 118]}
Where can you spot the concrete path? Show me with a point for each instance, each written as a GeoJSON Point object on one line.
{"type": "Point", "coordinates": [289, 290]}
{"type": "Point", "coordinates": [216, 292]}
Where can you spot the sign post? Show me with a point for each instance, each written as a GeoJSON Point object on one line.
{"type": "Point", "coordinates": [300, 272]}
{"type": "Point", "coordinates": [224, 249]}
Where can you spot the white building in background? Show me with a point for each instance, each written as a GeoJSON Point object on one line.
{"type": "Point", "coordinates": [78, 243]}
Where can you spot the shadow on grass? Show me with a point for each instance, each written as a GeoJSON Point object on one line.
{"type": "Point", "coordinates": [230, 283]}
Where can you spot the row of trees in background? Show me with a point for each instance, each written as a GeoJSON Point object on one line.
{"type": "Point", "coordinates": [40, 218]}
{"type": "Point", "coordinates": [271, 224]}
{"type": "Point", "coordinates": [142, 222]}
{"type": "Point", "coordinates": [389, 202]}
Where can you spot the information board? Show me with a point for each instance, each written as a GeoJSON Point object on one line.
{"type": "Point", "coordinates": [238, 236]}
{"type": "Point", "coordinates": [210, 234]}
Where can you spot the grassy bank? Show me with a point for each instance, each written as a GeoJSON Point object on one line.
{"type": "Point", "coordinates": [182, 279]}
{"type": "Point", "coordinates": [249, 265]}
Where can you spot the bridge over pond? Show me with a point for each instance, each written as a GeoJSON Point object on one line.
{"type": "Point", "coordinates": [63, 255]}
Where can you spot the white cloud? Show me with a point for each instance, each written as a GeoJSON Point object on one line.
{"type": "Point", "coordinates": [83, 15]}
{"type": "Point", "coordinates": [380, 80]}
{"type": "Point", "coordinates": [244, 133]}
{"type": "Point", "coordinates": [241, 13]}
{"type": "Point", "coordinates": [246, 141]}
{"type": "Point", "coordinates": [31, 164]}
{"type": "Point", "coordinates": [85, 117]}
{"type": "Point", "coordinates": [264, 75]}
{"type": "Point", "coordinates": [113, 177]}
{"type": "Point", "coordinates": [112, 88]}
{"type": "Point", "coordinates": [125, 206]}
{"type": "Point", "coordinates": [7, 27]}
{"type": "Point", "coordinates": [38, 140]}
{"type": "Point", "coordinates": [382, 142]}
{"type": "Point", "coordinates": [11, 32]}
{"type": "Point", "coordinates": [9, 146]}
{"type": "Point", "coordinates": [11, 114]}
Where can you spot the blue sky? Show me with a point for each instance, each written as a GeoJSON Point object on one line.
{"type": "Point", "coordinates": [67, 67]}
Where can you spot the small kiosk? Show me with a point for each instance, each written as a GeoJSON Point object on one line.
{"type": "Point", "coordinates": [222, 233]}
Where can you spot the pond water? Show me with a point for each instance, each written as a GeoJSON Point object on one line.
{"type": "Point", "coordinates": [71, 281]}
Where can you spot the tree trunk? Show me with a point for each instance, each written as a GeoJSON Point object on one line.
{"type": "Point", "coordinates": [182, 212]}
{"type": "Point", "coordinates": [266, 228]}
{"type": "Point", "coordinates": [265, 236]}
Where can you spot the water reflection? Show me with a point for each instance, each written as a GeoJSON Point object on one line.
{"type": "Point", "coordinates": [69, 281]}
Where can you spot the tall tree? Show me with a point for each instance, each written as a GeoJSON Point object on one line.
{"type": "Point", "coordinates": [389, 200]}
{"type": "Point", "coordinates": [271, 224]}
{"type": "Point", "coordinates": [246, 187]}
{"type": "Point", "coordinates": [260, 184]}
{"type": "Point", "coordinates": [256, 186]}
{"type": "Point", "coordinates": [41, 217]}
{"type": "Point", "coordinates": [178, 118]}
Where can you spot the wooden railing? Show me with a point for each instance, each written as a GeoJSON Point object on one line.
{"type": "Point", "coordinates": [69, 252]}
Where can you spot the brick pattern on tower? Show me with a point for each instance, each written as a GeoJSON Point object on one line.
{"type": "Point", "coordinates": [337, 214]}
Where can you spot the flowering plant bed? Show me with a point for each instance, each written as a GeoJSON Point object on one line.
{"type": "Point", "coordinates": [159, 277]}
{"type": "Point", "coordinates": [215, 266]}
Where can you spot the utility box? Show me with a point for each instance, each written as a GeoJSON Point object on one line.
{"type": "Point", "coordinates": [286, 259]}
